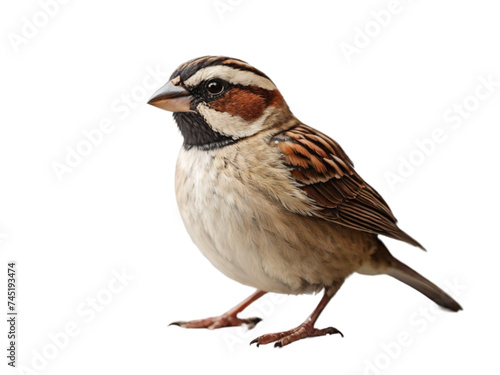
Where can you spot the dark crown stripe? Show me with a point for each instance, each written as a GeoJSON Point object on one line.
{"type": "Point", "coordinates": [191, 67]}
{"type": "Point", "coordinates": [247, 68]}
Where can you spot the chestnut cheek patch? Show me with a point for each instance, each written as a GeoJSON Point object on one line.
{"type": "Point", "coordinates": [249, 103]}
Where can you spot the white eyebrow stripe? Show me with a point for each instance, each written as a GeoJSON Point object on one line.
{"type": "Point", "coordinates": [231, 75]}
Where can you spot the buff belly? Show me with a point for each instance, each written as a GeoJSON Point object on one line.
{"type": "Point", "coordinates": [252, 238]}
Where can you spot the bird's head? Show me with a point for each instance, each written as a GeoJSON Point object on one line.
{"type": "Point", "coordinates": [219, 100]}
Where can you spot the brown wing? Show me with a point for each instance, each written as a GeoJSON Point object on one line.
{"type": "Point", "coordinates": [328, 177]}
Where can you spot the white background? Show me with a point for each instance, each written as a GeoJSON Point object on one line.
{"type": "Point", "coordinates": [115, 211]}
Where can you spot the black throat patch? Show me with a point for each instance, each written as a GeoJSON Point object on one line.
{"type": "Point", "coordinates": [197, 133]}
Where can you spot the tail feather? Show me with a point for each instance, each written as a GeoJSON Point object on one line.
{"type": "Point", "coordinates": [412, 278]}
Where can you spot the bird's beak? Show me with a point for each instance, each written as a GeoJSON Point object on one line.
{"type": "Point", "coordinates": [172, 98]}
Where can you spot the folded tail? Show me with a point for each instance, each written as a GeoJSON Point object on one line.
{"type": "Point", "coordinates": [412, 278]}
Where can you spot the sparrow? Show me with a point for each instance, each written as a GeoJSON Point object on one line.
{"type": "Point", "coordinates": [271, 202]}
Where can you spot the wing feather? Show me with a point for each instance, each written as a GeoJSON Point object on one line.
{"type": "Point", "coordinates": [327, 175]}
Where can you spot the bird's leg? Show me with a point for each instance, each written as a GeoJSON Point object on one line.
{"type": "Point", "coordinates": [304, 330]}
{"type": "Point", "coordinates": [228, 319]}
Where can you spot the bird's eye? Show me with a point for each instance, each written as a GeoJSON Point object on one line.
{"type": "Point", "coordinates": [215, 87]}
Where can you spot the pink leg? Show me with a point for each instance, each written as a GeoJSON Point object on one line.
{"type": "Point", "coordinates": [304, 330]}
{"type": "Point", "coordinates": [228, 319]}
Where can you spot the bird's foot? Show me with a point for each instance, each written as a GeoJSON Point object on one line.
{"type": "Point", "coordinates": [219, 322]}
{"type": "Point", "coordinates": [281, 339]}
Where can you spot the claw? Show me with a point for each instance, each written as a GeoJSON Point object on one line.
{"type": "Point", "coordinates": [252, 322]}
{"type": "Point", "coordinates": [332, 330]}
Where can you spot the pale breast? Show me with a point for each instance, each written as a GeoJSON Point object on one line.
{"type": "Point", "coordinates": [233, 207]}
